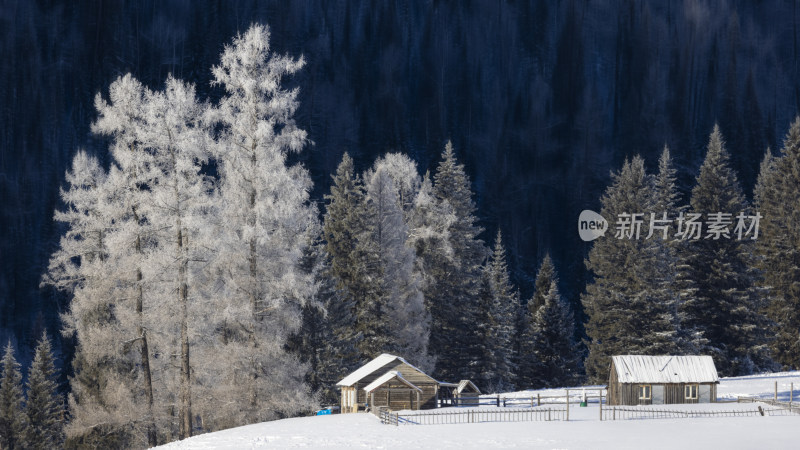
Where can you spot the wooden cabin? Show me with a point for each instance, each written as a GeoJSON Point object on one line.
{"type": "Point", "coordinates": [467, 394]}
{"type": "Point", "coordinates": [659, 380]}
{"type": "Point", "coordinates": [394, 390]}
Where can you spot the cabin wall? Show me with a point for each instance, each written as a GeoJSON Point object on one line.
{"type": "Point", "coordinates": [428, 398]}
{"type": "Point", "coordinates": [674, 393]}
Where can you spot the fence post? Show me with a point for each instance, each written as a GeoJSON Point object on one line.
{"type": "Point", "coordinates": [776, 391]}
{"type": "Point", "coordinates": [567, 405]}
{"type": "Point", "coordinates": [791, 396]}
{"type": "Point", "coordinates": [600, 400]}
{"type": "Point", "coordinates": [498, 400]}
{"type": "Point", "coordinates": [613, 413]}
{"type": "Point", "coordinates": [538, 400]}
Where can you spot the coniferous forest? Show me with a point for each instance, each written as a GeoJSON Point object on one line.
{"type": "Point", "coordinates": [212, 212]}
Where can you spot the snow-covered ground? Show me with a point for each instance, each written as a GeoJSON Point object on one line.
{"type": "Point", "coordinates": [583, 431]}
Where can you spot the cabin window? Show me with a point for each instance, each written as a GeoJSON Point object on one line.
{"type": "Point", "coordinates": [691, 392]}
{"type": "Point", "coordinates": [644, 392]}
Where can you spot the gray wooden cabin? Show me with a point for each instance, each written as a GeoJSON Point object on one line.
{"type": "Point", "coordinates": [659, 380]}
{"type": "Point", "coordinates": [392, 392]}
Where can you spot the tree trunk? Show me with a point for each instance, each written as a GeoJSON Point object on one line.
{"type": "Point", "coordinates": [185, 416]}
{"type": "Point", "coordinates": [150, 425]}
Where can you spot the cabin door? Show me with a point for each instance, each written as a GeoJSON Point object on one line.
{"type": "Point", "coordinates": [658, 394]}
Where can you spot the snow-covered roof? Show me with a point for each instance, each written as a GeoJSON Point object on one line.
{"type": "Point", "coordinates": [665, 369]}
{"type": "Point", "coordinates": [463, 385]}
{"type": "Point", "coordinates": [372, 366]}
{"type": "Point", "coordinates": [388, 376]}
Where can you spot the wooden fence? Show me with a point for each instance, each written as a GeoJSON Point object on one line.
{"type": "Point", "coordinates": [628, 413]}
{"type": "Point", "coordinates": [472, 416]}
{"type": "Point", "coordinates": [791, 406]}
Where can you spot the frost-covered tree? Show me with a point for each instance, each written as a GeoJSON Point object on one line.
{"type": "Point", "coordinates": [13, 423]}
{"type": "Point", "coordinates": [778, 246]}
{"type": "Point", "coordinates": [407, 321]}
{"type": "Point", "coordinates": [555, 353]}
{"type": "Point", "coordinates": [405, 175]}
{"type": "Point", "coordinates": [452, 270]}
{"type": "Point", "coordinates": [111, 392]}
{"type": "Point", "coordinates": [629, 306]}
{"type": "Point", "coordinates": [266, 220]}
{"type": "Point", "coordinates": [500, 303]}
{"type": "Point", "coordinates": [725, 306]}
{"type": "Point", "coordinates": [44, 407]}
{"type": "Point", "coordinates": [178, 207]}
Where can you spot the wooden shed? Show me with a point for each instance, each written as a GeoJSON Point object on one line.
{"type": "Point", "coordinates": [659, 380]}
{"type": "Point", "coordinates": [355, 397]}
{"type": "Point", "coordinates": [467, 394]}
{"type": "Point", "coordinates": [394, 392]}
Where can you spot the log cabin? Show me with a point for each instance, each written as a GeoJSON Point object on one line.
{"type": "Point", "coordinates": [659, 380]}
{"type": "Point", "coordinates": [400, 384]}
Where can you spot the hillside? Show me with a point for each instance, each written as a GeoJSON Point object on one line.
{"type": "Point", "coordinates": [584, 430]}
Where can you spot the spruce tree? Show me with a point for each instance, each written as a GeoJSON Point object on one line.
{"type": "Point", "coordinates": [555, 353]}
{"type": "Point", "coordinates": [453, 274]}
{"type": "Point", "coordinates": [778, 246]}
{"type": "Point", "coordinates": [501, 302]}
{"type": "Point", "coordinates": [725, 306]}
{"type": "Point", "coordinates": [545, 276]}
{"type": "Point", "coordinates": [630, 308]}
{"type": "Point", "coordinates": [13, 424]}
{"type": "Point", "coordinates": [44, 407]}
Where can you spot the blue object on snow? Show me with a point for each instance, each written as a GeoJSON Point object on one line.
{"type": "Point", "coordinates": [324, 412]}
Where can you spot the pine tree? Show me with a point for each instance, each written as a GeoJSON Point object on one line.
{"type": "Point", "coordinates": [354, 260]}
{"type": "Point", "coordinates": [527, 362]}
{"type": "Point", "coordinates": [326, 340]}
{"type": "Point", "coordinates": [725, 306]}
{"type": "Point", "coordinates": [630, 308]}
{"type": "Point", "coordinates": [44, 407]}
{"type": "Point", "coordinates": [500, 305]}
{"type": "Point", "coordinates": [13, 426]}
{"type": "Point", "coordinates": [555, 353]}
{"type": "Point", "coordinates": [452, 272]}
{"type": "Point", "coordinates": [778, 246]}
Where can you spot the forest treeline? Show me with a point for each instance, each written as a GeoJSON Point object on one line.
{"type": "Point", "coordinates": [208, 291]}
{"type": "Point", "coordinates": [540, 99]}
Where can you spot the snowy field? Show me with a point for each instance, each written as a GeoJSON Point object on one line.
{"type": "Point", "coordinates": [583, 431]}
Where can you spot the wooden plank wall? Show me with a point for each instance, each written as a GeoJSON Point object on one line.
{"type": "Point", "coordinates": [674, 393]}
